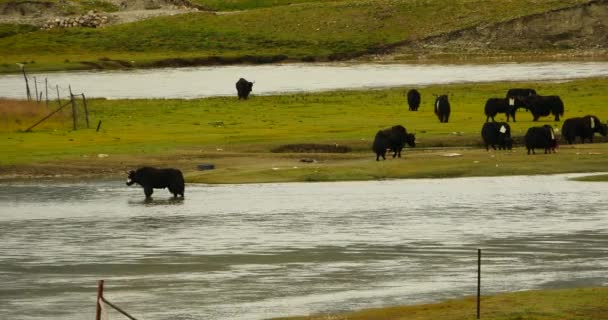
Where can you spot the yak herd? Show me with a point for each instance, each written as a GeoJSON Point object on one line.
{"type": "Point", "coordinates": [498, 134]}
{"type": "Point", "coordinates": [494, 134]}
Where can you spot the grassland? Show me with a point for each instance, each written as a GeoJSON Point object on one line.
{"type": "Point", "coordinates": [572, 304]}
{"type": "Point", "coordinates": [239, 136]}
{"type": "Point", "coordinates": [310, 31]}
{"type": "Point", "coordinates": [230, 5]}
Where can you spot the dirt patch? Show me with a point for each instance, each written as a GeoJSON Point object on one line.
{"type": "Point", "coordinates": [312, 148]}
{"type": "Point", "coordinates": [582, 28]}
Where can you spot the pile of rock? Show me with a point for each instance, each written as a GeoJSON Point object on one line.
{"type": "Point", "coordinates": [92, 19]}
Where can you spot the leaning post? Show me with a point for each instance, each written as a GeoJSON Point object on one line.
{"type": "Point", "coordinates": [27, 84]}
{"type": "Point", "coordinates": [99, 296]}
{"type": "Point", "coordinates": [478, 283]}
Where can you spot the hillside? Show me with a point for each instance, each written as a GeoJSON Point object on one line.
{"type": "Point", "coordinates": [271, 31]}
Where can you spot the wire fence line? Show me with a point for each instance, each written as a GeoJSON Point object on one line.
{"type": "Point", "coordinates": [77, 101]}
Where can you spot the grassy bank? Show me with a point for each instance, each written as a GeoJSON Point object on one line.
{"type": "Point", "coordinates": [239, 136]}
{"type": "Point", "coordinates": [573, 304]}
{"type": "Point", "coordinates": [303, 32]}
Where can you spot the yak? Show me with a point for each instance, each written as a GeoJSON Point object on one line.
{"type": "Point", "coordinates": [393, 139]}
{"type": "Point", "coordinates": [494, 106]}
{"type": "Point", "coordinates": [152, 178]}
{"type": "Point", "coordinates": [497, 133]}
{"type": "Point", "coordinates": [442, 108]}
{"type": "Point", "coordinates": [413, 99]}
{"type": "Point", "coordinates": [520, 92]}
{"type": "Point", "coordinates": [583, 127]}
{"type": "Point", "coordinates": [243, 88]}
{"type": "Point", "coordinates": [540, 138]}
{"type": "Point", "coordinates": [542, 106]}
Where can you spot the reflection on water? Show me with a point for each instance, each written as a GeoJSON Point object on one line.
{"type": "Point", "coordinates": [259, 251]}
{"type": "Point", "coordinates": [274, 79]}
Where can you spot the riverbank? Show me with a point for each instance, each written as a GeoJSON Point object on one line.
{"type": "Point", "coordinates": [311, 31]}
{"type": "Point", "coordinates": [581, 303]}
{"type": "Point", "coordinates": [245, 140]}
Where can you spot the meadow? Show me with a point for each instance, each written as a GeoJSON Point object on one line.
{"type": "Point", "coordinates": [265, 32]}
{"type": "Point", "coordinates": [573, 304]}
{"type": "Point", "coordinates": [241, 138]}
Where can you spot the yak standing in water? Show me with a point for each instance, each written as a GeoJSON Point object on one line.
{"type": "Point", "coordinates": [393, 139]}
{"type": "Point", "coordinates": [243, 88]}
{"type": "Point", "coordinates": [152, 178]}
{"type": "Point", "coordinates": [442, 108]}
{"type": "Point", "coordinates": [413, 99]}
{"type": "Point", "coordinates": [584, 127]}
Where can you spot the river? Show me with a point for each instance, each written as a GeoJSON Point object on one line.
{"type": "Point", "coordinates": [266, 250]}
{"type": "Point", "coordinates": [197, 82]}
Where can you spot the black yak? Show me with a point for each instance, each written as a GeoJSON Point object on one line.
{"type": "Point", "coordinates": [540, 138]}
{"type": "Point", "coordinates": [520, 92]}
{"type": "Point", "coordinates": [542, 106]}
{"type": "Point", "coordinates": [583, 127]}
{"type": "Point", "coordinates": [497, 133]}
{"type": "Point", "coordinates": [494, 106]}
{"type": "Point", "coordinates": [413, 99]}
{"type": "Point", "coordinates": [152, 178]}
{"type": "Point", "coordinates": [442, 108]}
{"type": "Point", "coordinates": [393, 139]}
{"type": "Point", "coordinates": [243, 88]}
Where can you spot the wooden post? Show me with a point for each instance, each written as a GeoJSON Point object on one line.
{"type": "Point", "coordinates": [36, 88]}
{"type": "Point", "coordinates": [58, 97]}
{"type": "Point", "coordinates": [74, 114]}
{"type": "Point", "coordinates": [86, 110]}
{"type": "Point", "coordinates": [99, 296]}
{"type": "Point", "coordinates": [98, 125]}
{"type": "Point", "coordinates": [478, 283]}
{"type": "Point", "coordinates": [27, 84]}
{"type": "Point", "coordinates": [46, 91]}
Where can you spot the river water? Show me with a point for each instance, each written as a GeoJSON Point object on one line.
{"type": "Point", "coordinates": [266, 250]}
{"type": "Point", "coordinates": [199, 82]}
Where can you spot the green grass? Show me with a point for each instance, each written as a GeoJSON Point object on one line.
{"type": "Point", "coordinates": [230, 5]}
{"type": "Point", "coordinates": [9, 29]}
{"type": "Point", "coordinates": [571, 304]}
{"type": "Point", "coordinates": [238, 135]}
{"type": "Point", "coordinates": [308, 31]}
{"type": "Point", "coordinates": [594, 178]}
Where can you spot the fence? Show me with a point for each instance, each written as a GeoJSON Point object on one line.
{"type": "Point", "coordinates": [77, 102]}
{"type": "Point", "coordinates": [101, 301]}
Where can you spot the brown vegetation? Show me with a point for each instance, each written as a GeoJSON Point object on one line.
{"type": "Point", "coordinates": [19, 114]}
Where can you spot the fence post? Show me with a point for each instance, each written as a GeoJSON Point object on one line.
{"type": "Point", "coordinates": [99, 296]}
{"type": "Point", "coordinates": [86, 110]}
{"type": "Point", "coordinates": [98, 126]}
{"type": "Point", "coordinates": [74, 114]}
{"type": "Point", "coordinates": [478, 283]}
{"type": "Point", "coordinates": [58, 96]}
{"type": "Point", "coordinates": [46, 92]}
{"type": "Point", "coordinates": [27, 84]}
{"type": "Point", "coordinates": [36, 88]}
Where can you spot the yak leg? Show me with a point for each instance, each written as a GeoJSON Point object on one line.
{"type": "Point", "coordinates": [148, 191]}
